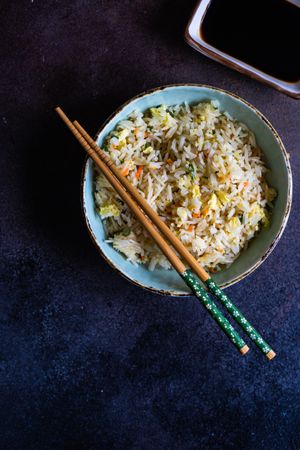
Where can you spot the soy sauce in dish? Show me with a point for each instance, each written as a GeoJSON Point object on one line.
{"type": "Point", "coordinates": [262, 33]}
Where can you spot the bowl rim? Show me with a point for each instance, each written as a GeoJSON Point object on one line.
{"type": "Point", "coordinates": [287, 206]}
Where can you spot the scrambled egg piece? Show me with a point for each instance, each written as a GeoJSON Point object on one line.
{"type": "Point", "coordinates": [222, 197]}
{"type": "Point", "coordinates": [213, 202]}
{"type": "Point", "coordinates": [258, 210]}
{"type": "Point", "coordinates": [234, 223]}
{"type": "Point", "coordinates": [109, 211]}
{"type": "Point", "coordinates": [182, 213]}
{"type": "Point", "coordinates": [164, 117]}
{"type": "Point", "coordinates": [148, 150]}
{"type": "Point", "coordinates": [184, 182]}
{"type": "Point", "coordinates": [121, 135]}
{"type": "Point", "coordinates": [195, 191]}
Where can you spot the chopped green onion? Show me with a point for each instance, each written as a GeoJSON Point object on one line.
{"type": "Point", "coordinates": [126, 231]}
{"type": "Point", "coordinates": [191, 170]}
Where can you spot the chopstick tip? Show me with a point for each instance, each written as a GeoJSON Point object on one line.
{"type": "Point", "coordinates": [244, 350]}
{"type": "Point", "coordinates": [270, 355]}
{"type": "Point", "coordinates": [60, 112]}
{"type": "Point", "coordinates": [63, 116]}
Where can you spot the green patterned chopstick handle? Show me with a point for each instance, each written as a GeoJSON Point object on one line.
{"type": "Point", "coordinates": [204, 298]}
{"type": "Point", "coordinates": [239, 318]}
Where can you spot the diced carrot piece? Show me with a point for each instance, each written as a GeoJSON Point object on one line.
{"type": "Point", "coordinates": [205, 211]}
{"type": "Point", "coordinates": [196, 215]}
{"type": "Point", "coordinates": [246, 184]}
{"type": "Point", "coordinates": [190, 227]}
{"type": "Point", "coordinates": [139, 172]}
{"type": "Point", "coordinates": [169, 161]}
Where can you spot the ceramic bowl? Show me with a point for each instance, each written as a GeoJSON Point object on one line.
{"type": "Point", "coordinates": [168, 281]}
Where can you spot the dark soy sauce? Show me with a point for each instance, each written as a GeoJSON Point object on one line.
{"type": "Point", "coordinates": [262, 33]}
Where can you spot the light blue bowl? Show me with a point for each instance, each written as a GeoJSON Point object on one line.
{"type": "Point", "coordinates": [168, 281]}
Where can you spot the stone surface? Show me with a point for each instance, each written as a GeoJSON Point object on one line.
{"type": "Point", "coordinates": [87, 360]}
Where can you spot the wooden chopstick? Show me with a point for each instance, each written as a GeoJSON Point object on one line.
{"type": "Point", "coordinates": [182, 250]}
{"type": "Point", "coordinates": [177, 244]}
{"type": "Point", "coordinates": [187, 275]}
{"type": "Point", "coordinates": [184, 253]}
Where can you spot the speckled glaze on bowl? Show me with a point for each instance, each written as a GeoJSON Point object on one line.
{"type": "Point", "coordinates": [168, 281]}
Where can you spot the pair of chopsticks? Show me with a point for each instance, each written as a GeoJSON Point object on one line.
{"type": "Point", "coordinates": [158, 230]}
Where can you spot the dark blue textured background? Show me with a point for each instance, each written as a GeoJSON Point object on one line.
{"type": "Point", "coordinates": [87, 360]}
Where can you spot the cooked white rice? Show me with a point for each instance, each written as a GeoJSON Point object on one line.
{"type": "Point", "coordinates": [200, 170]}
